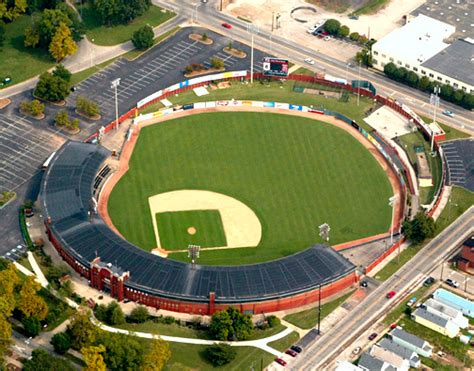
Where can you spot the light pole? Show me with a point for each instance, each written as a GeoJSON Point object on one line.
{"type": "Point", "coordinates": [252, 29]}
{"type": "Point", "coordinates": [115, 83]}
{"type": "Point", "coordinates": [465, 284]}
{"type": "Point", "coordinates": [392, 201]}
{"type": "Point", "coordinates": [434, 99]}
{"type": "Point", "coordinates": [358, 86]}
{"type": "Point", "coordinates": [91, 51]}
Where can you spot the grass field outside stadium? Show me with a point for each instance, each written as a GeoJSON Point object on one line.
{"type": "Point", "coordinates": [294, 173]}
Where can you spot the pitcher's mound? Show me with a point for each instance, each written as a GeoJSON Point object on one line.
{"type": "Point", "coordinates": [191, 231]}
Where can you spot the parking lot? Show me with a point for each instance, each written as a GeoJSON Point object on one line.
{"type": "Point", "coordinates": [23, 149]}
{"type": "Point", "coordinates": [460, 160]}
{"type": "Point", "coordinates": [160, 67]}
{"type": "Point", "coordinates": [15, 253]}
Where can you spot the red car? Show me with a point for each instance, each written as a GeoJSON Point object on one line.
{"type": "Point", "coordinates": [280, 361]}
{"type": "Point", "coordinates": [393, 325]}
{"type": "Point", "coordinates": [390, 295]}
{"type": "Point", "coordinates": [291, 352]}
{"type": "Point", "coordinates": [227, 25]}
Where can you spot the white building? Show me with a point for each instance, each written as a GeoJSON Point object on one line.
{"type": "Point", "coordinates": [444, 310]}
{"type": "Point", "coordinates": [420, 46]}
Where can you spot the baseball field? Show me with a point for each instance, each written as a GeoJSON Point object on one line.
{"type": "Point", "coordinates": [293, 173]}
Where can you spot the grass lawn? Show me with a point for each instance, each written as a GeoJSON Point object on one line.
{"type": "Point", "coordinates": [278, 92]}
{"type": "Point", "coordinates": [304, 71]}
{"type": "Point", "coordinates": [165, 329]}
{"type": "Point", "coordinates": [371, 7]}
{"type": "Point", "coordinates": [451, 346]}
{"type": "Point", "coordinates": [191, 357]}
{"type": "Point", "coordinates": [290, 171]}
{"type": "Point", "coordinates": [461, 200]}
{"type": "Point", "coordinates": [284, 343]}
{"type": "Point", "coordinates": [408, 142]}
{"type": "Point", "coordinates": [175, 234]}
{"type": "Point", "coordinates": [307, 319]}
{"type": "Point", "coordinates": [103, 35]}
{"type": "Point", "coordinates": [17, 61]}
{"type": "Point", "coordinates": [434, 365]}
{"type": "Point", "coordinates": [54, 303]}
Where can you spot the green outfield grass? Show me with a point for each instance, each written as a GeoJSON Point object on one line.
{"type": "Point", "coordinates": [294, 173]}
{"type": "Point", "coordinates": [173, 229]}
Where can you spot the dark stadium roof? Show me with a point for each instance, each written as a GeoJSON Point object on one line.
{"type": "Point", "coordinates": [66, 194]}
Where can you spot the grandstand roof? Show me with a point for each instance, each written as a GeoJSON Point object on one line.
{"type": "Point", "coordinates": [66, 194]}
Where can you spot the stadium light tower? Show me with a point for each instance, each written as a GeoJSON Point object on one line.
{"type": "Point", "coordinates": [392, 201]}
{"type": "Point", "coordinates": [252, 29]}
{"type": "Point", "coordinates": [324, 231]}
{"type": "Point", "coordinates": [193, 253]}
{"type": "Point", "coordinates": [434, 100]}
{"type": "Point", "coordinates": [114, 85]}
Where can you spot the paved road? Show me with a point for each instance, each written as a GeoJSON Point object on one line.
{"type": "Point", "coordinates": [207, 14]}
{"type": "Point", "coordinates": [323, 351]}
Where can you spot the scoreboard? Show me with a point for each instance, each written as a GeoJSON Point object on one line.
{"type": "Point", "coordinates": [275, 67]}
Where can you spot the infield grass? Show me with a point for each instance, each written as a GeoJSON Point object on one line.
{"type": "Point", "coordinates": [174, 233]}
{"type": "Point", "coordinates": [294, 173]}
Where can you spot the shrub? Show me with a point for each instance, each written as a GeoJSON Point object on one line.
{"type": "Point", "coordinates": [139, 314]}
{"type": "Point", "coordinates": [231, 325]}
{"type": "Point", "coordinates": [87, 106]}
{"type": "Point", "coordinates": [343, 31]}
{"type": "Point", "coordinates": [62, 118]}
{"type": "Point", "coordinates": [332, 26]}
{"type": "Point", "coordinates": [62, 72]}
{"type": "Point", "coordinates": [217, 63]}
{"type": "Point", "coordinates": [61, 342]}
{"type": "Point", "coordinates": [143, 37]}
{"type": "Point", "coordinates": [204, 36]}
{"type": "Point", "coordinates": [52, 88]}
{"type": "Point", "coordinates": [220, 354]}
{"type": "Point", "coordinates": [36, 108]}
{"type": "Point", "coordinates": [273, 321]}
{"type": "Point", "coordinates": [354, 36]}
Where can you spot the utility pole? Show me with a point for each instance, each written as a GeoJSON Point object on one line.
{"type": "Point", "coordinates": [434, 99]}
{"type": "Point", "coordinates": [358, 87]}
{"type": "Point", "coordinates": [273, 19]}
{"type": "Point", "coordinates": [115, 83]}
{"type": "Point", "coordinates": [252, 29]}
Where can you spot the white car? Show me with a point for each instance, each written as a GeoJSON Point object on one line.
{"type": "Point", "coordinates": [312, 29]}
{"type": "Point", "coordinates": [327, 38]}
{"type": "Point", "coordinates": [309, 61]}
{"type": "Point", "coordinates": [452, 283]}
{"type": "Point", "coordinates": [448, 113]}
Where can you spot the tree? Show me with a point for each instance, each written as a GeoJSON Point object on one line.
{"type": "Point", "coordinates": [62, 118]}
{"type": "Point", "coordinates": [48, 24]}
{"type": "Point", "coordinates": [424, 83]}
{"type": "Point", "coordinates": [332, 26]}
{"type": "Point", "coordinates": [115, 314]}
{"type": "Point", "coordinates": [51, 88]}
{"type": "Point", "coordinates": [67, 289]}
{"type": "Point", "coordinates": [11, 9]}
{"type": "Point", "coordinates": [390, 69]}
{"type": "Point", "coordinates": [32, 326]}
{"type": "Point", "coordinates": [42, 360]}
{"type": "Point", "coordinates": [61, 342]}
{"type": "Point", "coordinates": [447, 92]}
{"type": "Point", "coordinates": [421, 227]}
{"type": "Point", "coordinates": [100, 312]}
{"type": "Point", "coordinates": [82, 331]}
{"type": "Point", "coordinates": [217, 63]}
{"type": "Point", "coordinates": [468, 101]}
{"type": "Point", "coordinates": [354, 36]}
{"type": "Point", "coordinates": [230, 45]}
{"type": "Point", "coordinates": [364, 57]}
{"type": "Point", "coordinates": [139, 314]}
{"type": "Point", "coordinates": [143, 38]}
{"type": "Point", "coordinates": [220, 354]}
{"type": "Point", "coordinates": [157, 356]}
{"type": "Point", "coordinates": [5, 335]}
{"type": "Point", "coordinates": [32, 37]}
{"type": "Point", "coordinates": [36, 107]}
{"type": "Point", "coordinates": [29, 303]}
{"type": "Point", "coordinates": [93, 358]}
{"type": "Point", "coordinates": [122, 352]}
{"type": "Point", "coordinates": [231, 325]}
{"type": "Point", "coordinates": [204, 37]}
{"type": "Point", "coordinates": [343, 31]}
{"type": "Point", "coordinates": [87, 107]}
{"type": "Point", "coordinates": [62, 43]}
{"type": "Point", "coordinates": [10, 281]}
{"type": "Point", "coordinates": [120, 11]}
{"type": "Point", "coordinates": [62, 72]}
{"type": "Point", "coordinates": [458, 96]}
{"type": "Point", "coordinates": [412, 79]}
{"type": "Point", "coordinates": [273, 321]}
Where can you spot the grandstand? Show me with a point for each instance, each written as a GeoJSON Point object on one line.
{"type": "Point", "coordinates": [126, 271]}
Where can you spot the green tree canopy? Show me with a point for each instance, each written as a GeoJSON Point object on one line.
{"type": "Point", "coordinates": [120, 11]}
{"type": "Point", "coordinates": [158, 354]}
{"type": "Point", "coordinates": [139, 314]}
{"type": "Point", "coordinates": [420, 228]}
{"type": "Point", "coordinates": [231, 325]}
{"type": "Point", "coordinates": [52, 88]}
{"type": "Point", "coordinates": [343, 31]}
{"type": "Point", "coordinates": [42, 360]}
{"type": "Point", "coordinates": [61, 342]}
{"type": "Point", "coordinates": [82, 331]}
{"type": "Point", "coordinates": [32, 326]}
{"type": "Point", "coordinates": [332, 26]}
{"type": "Point", "coordinates": [122, 352]}
{"type": "Point", "coordinates": [220, 354]}
{"type": "Point", "coordinates": [143, 37]}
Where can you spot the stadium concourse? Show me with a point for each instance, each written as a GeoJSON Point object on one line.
{"type": "Point", "coordinates": [112, 264]}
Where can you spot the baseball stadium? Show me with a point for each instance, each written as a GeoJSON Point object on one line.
{"type": "Point", "coordinates": [220, 203]}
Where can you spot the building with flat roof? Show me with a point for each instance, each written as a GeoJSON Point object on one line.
{"type": "Point", "coordinates": [444, 310]}
{"type": "Point", "coordinates": [401, 351]}
{"type": "Point", "coordinates": [421, 46]}
{"type": "Point", "coordinates": [466, 260]}
{"type": "Point", "coordinates": [410, 341]}
{"type": "Point", "coordinates": [435, 322]}
{"type": "Point", "coordinates": [457, 302]}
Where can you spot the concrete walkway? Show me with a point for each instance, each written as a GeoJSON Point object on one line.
{"type": "Point", "coordinates": [259, 343]}
{"type": "Point", "coordinates": [39, 274]}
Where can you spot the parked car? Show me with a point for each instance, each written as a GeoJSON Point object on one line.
{"type": "Point", "coordinates": [448, 113]}
{"type": "Point", "coordinates": [363, 283]}
{"type": "Point", "coordinates": [390, 295]}
{"type": "Point", "coordinates": [291, 352]}
{"type": "Point", "coordinates": [280, 361]}
{"type": "Point", "coordinates": [309, 61]}
{"type": "Point", "coordinates": [429, 281]}
{"type": "Point", "coordinates": [393, 325]}
{"type": "Point", "coordinates": [372, 336]}
{"type": "Point", "coordinates": [452, 283]}
{"type": "Point", "coordinates": [296, 348]}
{"type": "Point", "coordinates": [411, 301]}
{"type": "Point", "coordinates": [327, 38]}
{"type": "Point", "coordinates": [227, 25]}
{"type": "Point", "coordinates": [312, 29]}
{"type": "Point", "coordinates": [356, 350]}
